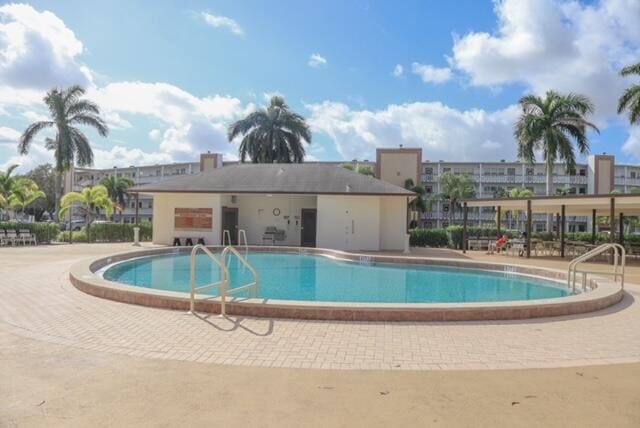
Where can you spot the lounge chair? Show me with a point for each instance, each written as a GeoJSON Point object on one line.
{"type": "Point", "coordinates": [27, 237]}
{"type": "Point", "coordinates": [11, 237]}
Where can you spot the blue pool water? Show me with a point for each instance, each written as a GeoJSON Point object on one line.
{"type": "Point", "coordinates": [303, 277]}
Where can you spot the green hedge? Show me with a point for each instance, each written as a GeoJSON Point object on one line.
{"type": "Point", "coordinates": [45, 232]}
{"type": "Point", "coordinates": [429, 238]}
{"type": "Point", "coordinates": [109, 232]}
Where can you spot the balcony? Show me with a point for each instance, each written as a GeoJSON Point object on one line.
{"type": "Point", "coordinates": [570, 179]}
{"type": "Point", "coordinates": [502, 179]}
{"type": "Point", "coordinates": [628, 181]}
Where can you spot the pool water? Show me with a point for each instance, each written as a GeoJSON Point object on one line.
{"type": "Point", "coordinates": [286, 276]}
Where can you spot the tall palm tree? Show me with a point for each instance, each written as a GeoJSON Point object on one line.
{"type": "Point", "coordinates": [7, 181]}
{"type": "Point", "coordinates": [274, 134]}
{"type": "Point", "coordinates": [550, 125]}
{"type": "Point", "coordinates": [455, 187]}
{"type": "Point", "coordinates": [117, 189]}
{"type": "Point", "coordinates": [630, 100]}
{"type": "Point", "coordinates": [418, 205]}
{"type": "Point", "coordinates": [67, 110]}
{"type": "Point", "coordinates": [90, 201]}
{"type": "Point", "coordinates": [24, 192]}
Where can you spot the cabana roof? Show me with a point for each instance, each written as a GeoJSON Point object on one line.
{"type": "Point", "coordinates": [574, 205]}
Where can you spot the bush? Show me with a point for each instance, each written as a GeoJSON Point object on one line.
{"type": "Point", "coordinates": [429, 238]}
{"type": "Point", "coordinates": [109, 232]}
{"type": "Point", "coordinates": [45, 232]}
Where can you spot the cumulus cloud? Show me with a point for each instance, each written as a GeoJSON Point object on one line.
{"type": "Point", "coordinates": [8, 135]}
{"type": "Point", "coordinates": [553, 44]}
{"type": "Point", "coordinates": [317, 61]}
{"type": "Point", "coordinates": [443, 132]}
{"type": "Point", "coordinates": [37, 50]}
{"type": "Point", "coordinates": [632, 145]}
{"type": "Point", "coordinates": [431, 74]}
{"type": "Point", "coordinates": [222, 22]}
{"type": "Point", "coordinates": [398, 70]}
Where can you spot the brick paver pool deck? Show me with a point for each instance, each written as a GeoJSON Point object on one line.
{"type": "Point", "coordinates": [37, 301]}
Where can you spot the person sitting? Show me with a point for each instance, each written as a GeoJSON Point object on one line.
{"type": "Point", "coordinates": [499, 245]}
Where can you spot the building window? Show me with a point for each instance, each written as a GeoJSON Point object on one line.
{"type": "Point", "coordinates": [529, 171]}
{"type": "Point", "coordinates": [582, 191]}
{"type": "Point", "coordinates": [428, 189]}
{"type": "Point", "coordinates": [139, 205]}
{"type": "Point", "coordinates": [511, 171]}
{"type": "Point", "coordinates": [150, 204]}
{"type": "Point", "coordinates": [428, 170]}
{"type": "Point", "coordinates": [446, 169]}
{"type": "Point", "coordinates": [632, 174]}
{"type": "Point", "coordinates": [583, 172]}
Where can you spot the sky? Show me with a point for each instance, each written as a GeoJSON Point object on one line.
{"type": "Point", "coordinates": [170, 76]}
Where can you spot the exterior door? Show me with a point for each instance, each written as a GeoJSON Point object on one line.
{"type": "Point", "coordinates": [308, 229]}
{"type": "Point", "coordinates": [230, 223]}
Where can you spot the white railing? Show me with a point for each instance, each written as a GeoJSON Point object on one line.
{"type": "Point", "coordinates": [617, 268]}
{"type": "Point", "coordinates": [252, 287]}
{"type": "Point", "coordinates": [225, 277]}
{"type": "Point", "coordinates": [222, 284]}
{"type": "Point", "coordinates": [242, 236]}
{"type": "Point", "coordinates": [226, 237]}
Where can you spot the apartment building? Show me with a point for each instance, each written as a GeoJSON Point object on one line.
{"type": "Point", "coordinates": [599, 175]}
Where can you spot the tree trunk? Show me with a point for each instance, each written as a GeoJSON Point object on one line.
{"type": "Point", "coordinates": [57, 195]}
{"type": "Point", "coordinates": [549, 190]}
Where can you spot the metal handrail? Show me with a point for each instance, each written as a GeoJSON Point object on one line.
{"type": "Point", "coordinates": [226, 237]}
{"type": "Point", "coordinates": [253, 287]}
{"type": "Point", "coordinates": [618, 268]}
{"type": "Point", "coordinates": [222, 284]}
{"type": "Point", "coordinates": [243, 234]}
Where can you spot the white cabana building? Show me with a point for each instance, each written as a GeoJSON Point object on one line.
{"type": "Point", "coordinates": [310, 205]}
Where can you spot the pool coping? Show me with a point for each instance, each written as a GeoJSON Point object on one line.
{"type": "Point", "coordinates": [603, 293]}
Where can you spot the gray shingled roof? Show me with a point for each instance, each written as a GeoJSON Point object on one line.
{"type": "Point", "coordinates": [313, 179]}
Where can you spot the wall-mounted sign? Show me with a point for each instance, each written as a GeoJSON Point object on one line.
{"type": "Point", "coordinates": [193, 218]}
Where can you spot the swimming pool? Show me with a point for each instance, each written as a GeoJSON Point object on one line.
{"type": "Point", "coordinates": [299, 277]}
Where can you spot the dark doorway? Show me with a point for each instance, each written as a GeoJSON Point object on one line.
{"type": "Point", "coordinates": [230, 223]}
{"type": "Point", "coordinates": [308, 229]}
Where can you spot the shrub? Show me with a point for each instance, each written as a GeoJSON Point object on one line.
{"type": "Point", "coordinates": [429, 238]}
{"type": "Point", "coordinates": [109, 232]}
{"type": "Point", "coordinates": [45, 232]}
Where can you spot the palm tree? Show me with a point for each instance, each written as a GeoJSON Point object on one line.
{"type": "Point", "coordinates": [519, 193]}
{"type": "Point", "coordinates": [275, 134]}
{"type": "Point", "coordinates": [91, 200]}
{"type": "Point", "coordinates": [117, 189]}
{"type": "Point", "coordinates": [549, 125]}
{"type": "Point", "coordinates": [364, 170]}
{"type": "Point", "coordinates": [7, 181]}
{"type": "Point", "coordinates": [24, 192]}
{"type": "Point", "coordinates": [455, 187]}
{"type": "Point", "coordinates": [67, 110]}
{"type": "Point", "coordinates": [630, 100]}
{"type": "Point", "coordinates": [418, 204]}
{"type": "Point", "coordinates": [565, 191]}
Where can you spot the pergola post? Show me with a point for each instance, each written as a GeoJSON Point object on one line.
{"type": "Point", "coordinates": [137, 208]}
{"type": "Point", "coordinates": [464, 227]}
{"type": "Point", "coordinates": [563, 219]}
{"type": "Point", "coordinates": [528, 228]}
{"type": "Point", "coordinates": [621, 230]}
{"type": "Point", "coordinates": [499, 219]}
{"type": "Point", "coordinates": [612, 220]}
{"type": "Point", "coordinates": [593, 227]}
{"type": "Point", "coordinates": [557, 225]}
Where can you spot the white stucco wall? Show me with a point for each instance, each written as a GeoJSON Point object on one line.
{"type": "Point", "coordinates": [164, 205]}
{"type": "Point", "coordinates": [393, 223]}
{"type": "Point", "coordinates": [255, 214]}
{"type": "Point", "coordinates": [349, 222]}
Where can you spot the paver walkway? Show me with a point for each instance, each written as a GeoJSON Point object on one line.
{"type": "Point", "coordinates": [37, 301]}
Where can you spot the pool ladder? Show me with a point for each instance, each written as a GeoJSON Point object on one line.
{"type": "Point", "coordinates": [617, 268]}
{"type": "Point", "coordinates": [224, 284]}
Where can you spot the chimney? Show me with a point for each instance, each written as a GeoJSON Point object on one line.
{"type": "Point", "coordinates": [210, 161]}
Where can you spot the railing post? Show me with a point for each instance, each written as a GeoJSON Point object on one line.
{"type": "Point", "coordinates": [563, 220]}
{"type": "Point", "coordinates": [528, 228]}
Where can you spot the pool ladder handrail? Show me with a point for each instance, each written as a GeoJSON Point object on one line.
{"type": "Point", "coordinates": [226, 238]}
{"type": "Point", "coordinates": [225, 282]}
{"type": "Point", "coordinates": [617, 269]}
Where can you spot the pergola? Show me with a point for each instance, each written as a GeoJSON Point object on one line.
{"type": "Point", "coordinates": [561, 206]}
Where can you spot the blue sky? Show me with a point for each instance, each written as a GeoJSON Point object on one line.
{"type": "Point", "coordinates": [171, 76]}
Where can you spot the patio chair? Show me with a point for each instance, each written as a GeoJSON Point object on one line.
{"type": "Point", "coordinates": [27, 237]}
{"type": "Point", "coordinates": [11, 237]}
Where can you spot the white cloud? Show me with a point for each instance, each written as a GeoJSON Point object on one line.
{"type": "Point", "coordinates": [8, 135]}
{"type": "Point", "coordinates": [37, 50]}
{"type": "Point", "coordinates": [632, 145]}
{"type": "Point", "coordinates": [443, 132]}
{"type": "Point", "coordinates": [553, 44]}
{"type": "Point", "coordinates": [398, 70]}
{"type": "Point", "coordinates": [155, 134]}
{"type": "Point", "coordinates": [222, 22]}
{"type": "Point", "coordinates": [317, 61]}
{"type": "Point", "coordinates": [431, 74]}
